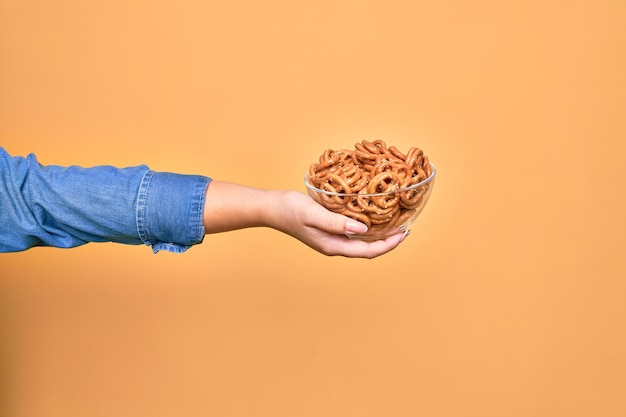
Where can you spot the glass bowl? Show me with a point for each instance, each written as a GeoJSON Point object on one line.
{"type": "Point", "coordinates": [384, 213]}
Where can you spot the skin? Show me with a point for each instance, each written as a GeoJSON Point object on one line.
{"type": "Point", "coordinates": [232, 206]}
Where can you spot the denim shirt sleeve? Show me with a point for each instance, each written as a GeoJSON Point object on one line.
{"type": "Point", "coordinates": [70, 206]}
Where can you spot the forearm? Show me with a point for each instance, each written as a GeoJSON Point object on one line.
{"type": "Point", "coordinates": [231, 206]}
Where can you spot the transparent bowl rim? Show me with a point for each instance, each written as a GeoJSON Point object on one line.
{"type": "Point", "coordinates": [399, 190]}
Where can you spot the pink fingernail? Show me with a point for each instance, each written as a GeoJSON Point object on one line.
{"type": "Point", "coordinates": [354, 227]}
{"type": "Point", "coordinates": [405, 234]}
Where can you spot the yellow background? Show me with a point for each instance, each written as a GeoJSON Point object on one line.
{"type": "Point", "coordinates": [506, 300]}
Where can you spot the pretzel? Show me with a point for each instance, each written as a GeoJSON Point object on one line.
{"type": "Point", "coordinates": [372, 183]}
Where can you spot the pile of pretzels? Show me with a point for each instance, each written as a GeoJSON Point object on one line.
{"type": "Point", "coordinates": [372, 183]}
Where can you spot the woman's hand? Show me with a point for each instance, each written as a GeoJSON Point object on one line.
{"type": "Point", "coordinates": [231, 206]}
{"type": "Point", "coordinates": [325, 231]}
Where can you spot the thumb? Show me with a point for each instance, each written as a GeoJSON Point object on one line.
{"type": "Point", "coordinates": [355, 227]}
{"type": "Point", "coordinates": [339, 224]}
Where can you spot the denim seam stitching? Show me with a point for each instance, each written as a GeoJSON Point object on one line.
{"type": "Point", "coordinates": [142, 200]}
{"type": "Point", "coordinates": [203, 185]}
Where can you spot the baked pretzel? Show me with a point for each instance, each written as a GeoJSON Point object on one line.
{"type": "Point", "coordinates": [372, 183]}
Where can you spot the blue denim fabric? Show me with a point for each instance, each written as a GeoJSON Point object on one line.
{"type": "Point", "coordinates": [70, 206]}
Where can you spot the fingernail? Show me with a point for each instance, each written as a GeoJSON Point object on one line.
{"type": "Point", "coordinates": [406, 233]}
{"type": "Point", "coordinates": [354, 227]}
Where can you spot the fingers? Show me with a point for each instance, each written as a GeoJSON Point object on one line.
{"type": "Point", "coordinates": [354, 248]}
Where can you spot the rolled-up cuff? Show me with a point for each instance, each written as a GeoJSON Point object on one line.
{"type": "Point", "coordinates": [170, 210]}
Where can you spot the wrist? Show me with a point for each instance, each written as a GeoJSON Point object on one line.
{"type": "Point", "coordinates": [271, 210]}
